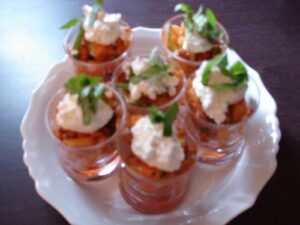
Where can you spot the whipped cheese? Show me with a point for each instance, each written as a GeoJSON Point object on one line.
{"type": "Point", "coordinates": [156, 150]}
{"type": "Point", "coordinates": [106, 29]}
{"type": "Point", "coordinates": [195, 43]}
{"type": "Point", "coordinates": [152, 87]}
{"type": "Point", "coordinates": [69, 115]}
{"type": "Point", "coordinates": [215, 102]}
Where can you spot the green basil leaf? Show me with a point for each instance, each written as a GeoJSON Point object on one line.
{"type": "Point", "coordinates": [189, 23]}
{"type": "Point", "coordinates": [169, 117]}
{"type": "Point", "coordinates": [237, 73]}
{"type": "Point", "coordinates": [155, 59]}
{"type": "Point", "coordinates": [208, 68]}
{"type": "Point", "coordinates": [96, 8]}
{"type": "Point", "coordinates": [223, 62]}
{"type": "Point", "coordinates": [86, 91]}
{"type": "Point", "coordinates": [86, 110]}
{"type": "Point", "coordinates": [156, 116]}
{"type": "Point", "coordinates": [79, 38]}
{"type": "Point", "coordinates": [152, 71]}
{"type": "Point", "coordinates": [238, 68]}
{"type": "Point", "coordinates": [89, 90]}
{"type": "Point", "coordinates": [123, 85]}
{"type": "Point", "coordinates": [71, 23]}
{"type": "Point", "coordinates": [211, 18]}
{"type": "Point", "coordinates": [99, 91]}
{"type": "Point", "coordinates": [73, 85]}
{"type": "Point", "coordinates": [237, 81]}
{"type": "Point", "coordinates": [183, 8]}
{"type": "Point", "coordinates": [200, 21]}
{"type": "Point", "coordinates": [199, 12]}
{"type": "Point", "coordinates": [99, 2]}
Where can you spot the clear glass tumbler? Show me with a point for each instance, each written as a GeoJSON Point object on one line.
{"type": "Point", "coordinates": [162, 101]}
{"type": "Point", "coordinates": [80, 159]}
{"type": "Point", "coordinates": [155, 195]}
{"type": "Point", "coordinates": [188, 66]}
{"type": "Point", "coordinates": [220, 143]}
{"type": "Point", "coordinates": [94, 68]}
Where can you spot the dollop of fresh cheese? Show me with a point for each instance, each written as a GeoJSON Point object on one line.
{"type": "Point", "coordinates": [139, 65]}
{"type": "Point", "coordinates": [195, 43]}
{"type": "Point", "coordinates": [215, 102]}
{"type": "Point", "coordinates": [156, 150]}
{"type": "Point", "coordinates": [69, 115]}
{"type": "Point", "coordinates": [156, 85]}
{"type": "Point", "coordinates": [105, 30]}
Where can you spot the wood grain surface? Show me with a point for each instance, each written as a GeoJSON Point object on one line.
{"type": "Point", "coordinates": [265, 33]}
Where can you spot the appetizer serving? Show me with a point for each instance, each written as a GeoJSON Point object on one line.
{"type": "Point", "coordinates": [149, 80]}
{"type": "Point", "coordinates": [157, 157]}
{"type": "Point", "coordinates": [191, 37]}
{"type": "Point", "coordinates": [85, 118]}
{"type": "Point", "coordinates": [221, 98]}
{"type": "Point", "coordinates": [98, 42]}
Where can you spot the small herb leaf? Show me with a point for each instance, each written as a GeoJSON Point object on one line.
{"type": "Point", "coordinates": [169, 117]}
{"type": "Point", "coordinates": [89, 90]}
{"type": "Point", "coordinates": [79, 38]}
{"type": "Point", "coordinates": [155, 59]}
{"type": "Point", "coordinates": [96, 8]}
{"type": "Point", "coordinates": [122, 85]}
{"type": "Point", "coordinates": [238, 68]}
{"type": "Point", "coordinates": [157, 116]}
{"type": "Point", "coordinates": [237, 72]}
{"type": "Point", "coordinates": [208, 68]}
{"type": "Point", "coordinates": [156, 64]}
{"type": "Point", "coordinates": [211, 18]}
{"type": "Point", "coordinates": [183, 8]}
{"type": "Point", "coordinates": [71, 23]}
{"type": "Point", "coordinates": [189, 23]}
{"type": "Point", "coordinates": [99, 91]}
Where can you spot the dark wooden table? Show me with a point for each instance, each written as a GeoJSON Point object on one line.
{"type": "Point", "coordinates": [265, 33]}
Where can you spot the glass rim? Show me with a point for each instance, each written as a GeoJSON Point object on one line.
{"type": "Point", "coordinates": [146, 54]}
{"type": "Point", "coordinates": [208, 123]}
{"type": "Point", "coordinates": [91, 147]}
{"type": "Point", "coordinates": [192, 63]}
{"type": "Point", "coordinates": [92, 63]}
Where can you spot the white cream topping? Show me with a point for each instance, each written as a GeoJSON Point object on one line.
{"type": "Point", "coordinates": [106, 29]}
{"type": "Point", "coordinates": [149, 145]}
{"type": "Point", "coordinates": [152, 87]}
{"type": "Point", "coordinates": [69, 115]}
{"type": "Point", "coordinates": [215, 102]}
{"type": "Point", "coordinates": [195, 43]}
{"type": "Point", "coordinates": [139, 65]}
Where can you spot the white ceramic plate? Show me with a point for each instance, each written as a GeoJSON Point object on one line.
{"type": "Point", "coordinates": [217, 194]}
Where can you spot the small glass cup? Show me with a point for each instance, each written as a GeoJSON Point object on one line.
{"type": "Point", "coordinates": [93, 68]}
{"type": "Point", "coordinates": [161, 102]}
{"type": "Point", "coordinates": [221, 143]}
{"type": "Point", "coordinates": [189, 66]}
{"type": "Point", "coordinates": [80, 160]}
{"type": "Point", "coordinates": [155, 195]}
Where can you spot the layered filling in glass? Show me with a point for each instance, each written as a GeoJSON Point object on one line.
{"type": "Point", "coordinates": [147, 81]}
{"type": "Point", "coordinates": [102, 36]}
{"type": "Point", "coordinates": [217, 92]}
{"type": "Point", "coordinates": [198, 38]}
{"type": "Point", "coordinates": [159, 150]}
{"type": "Point", "coordinates": [87, 114]}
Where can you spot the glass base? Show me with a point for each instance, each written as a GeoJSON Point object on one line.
{"type": "Point", "coordinates": [219, 155]}
{"type": "Point", "coordinates": [91, 175]}
{"type": "Point", "coordinates": [144, 201]}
